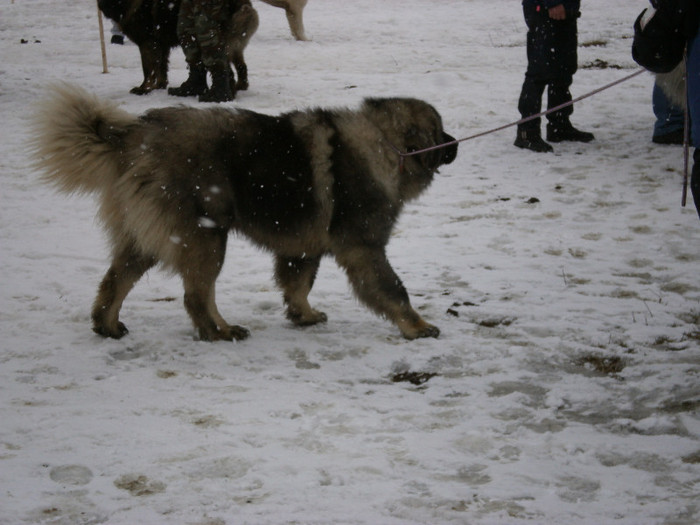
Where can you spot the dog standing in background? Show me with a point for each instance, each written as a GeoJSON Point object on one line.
{"type": "Point", "coordinates": [152, 26]}
{"type": "Point", "coordinates": [175, 181]}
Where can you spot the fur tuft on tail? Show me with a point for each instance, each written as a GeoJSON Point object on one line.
{"type": "Point", "coordinates": [76, 139]}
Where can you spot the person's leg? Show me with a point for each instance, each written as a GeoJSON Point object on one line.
{"type": "Point", "coordinates": [536, 78]}
{"type": "Point", "coordinates": [564, 63]}
{"type": "Point", "coordinates": [693, 79]}
{"type": "Point", "coordinates": [196, 82]}
{"type": "Point", "coordinates": [117, 35]}
{"type": "Point", "coordinates": [558, 93]}
{"type": "Point", "coordinates": [669, 124]}
{"type": "Point", "coordinates": [210, 27]}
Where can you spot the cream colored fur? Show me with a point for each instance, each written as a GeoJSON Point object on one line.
{"type": "Point", "coordinates": [673, 85]}
{"type": "Point", "coordinates": [294, 9]}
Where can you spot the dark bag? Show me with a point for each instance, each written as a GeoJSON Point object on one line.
{"type": "Point", "coordinates": [659, 43]}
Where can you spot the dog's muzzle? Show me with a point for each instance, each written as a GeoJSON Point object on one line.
{"type": "Point", "coordinates": [449, 152]}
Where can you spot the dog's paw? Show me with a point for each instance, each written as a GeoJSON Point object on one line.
{"type": "Point", "coordinates": [226, 333]}
{"type": "Point", "coordinates": [308, 318]}
{"type": "Point", "coordinates": [239, 332]}
{"type": "Point", "coordinates": [115, 333]}
{"type": "Point", "coordinates": [425, 330]}
{"type": "Point", "coordinates": [146, 88]}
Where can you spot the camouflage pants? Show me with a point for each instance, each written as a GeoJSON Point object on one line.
{"type": "Point", "coordinates": [200, 28]}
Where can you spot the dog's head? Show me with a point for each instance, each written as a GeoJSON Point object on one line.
{"type": "Point", "coordinates": [412, 125]}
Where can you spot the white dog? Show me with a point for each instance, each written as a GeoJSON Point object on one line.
{"type": "Point", "coordinates": [295, 12]}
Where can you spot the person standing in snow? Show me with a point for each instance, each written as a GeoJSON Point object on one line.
{"type": "Point", "coordinates": [117, 35]}
{"type": "Point", "coordinates": [552, 60]}
{"type": "Point", "coordinates": [200, 28]}
{"type": "Point", "coordinates": [693, 80]}
{"type": "Point", "coordinates": [660, 37]}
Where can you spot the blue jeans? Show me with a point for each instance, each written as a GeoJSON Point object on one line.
{"type": "Point", "coordinates": [694, 88]}
{"type": "Point", "coordinates": [669, 118]}
{"type": "Point", "coordinates": [694, 108]}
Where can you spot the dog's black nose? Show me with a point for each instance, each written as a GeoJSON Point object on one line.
{"type": "Point", "coordinates": [449, 152]}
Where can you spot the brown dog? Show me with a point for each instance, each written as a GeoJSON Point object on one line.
{"type": "Point", "coordinates": [174, 181]}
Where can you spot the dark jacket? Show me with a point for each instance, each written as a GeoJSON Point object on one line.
{"type": "Point", "coordinates": [684, 14]}
{"type": "Point", "coordinates": [659, 45]}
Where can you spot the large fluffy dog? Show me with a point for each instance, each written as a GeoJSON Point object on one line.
{"type": "Point", "coordinates": [152, 26]}
{"type": "Point", "coordinates": [174, 181]}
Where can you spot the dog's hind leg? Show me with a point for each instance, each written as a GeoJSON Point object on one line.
{"type": "Point", "coordinates": [244, 23]}
{"type": "Point", "coordinates": [154, 61]}
{"type": "Point", "coordinates": [237, 332]}
{"type": "Point", "coordinates": [296, 276]}
{"type": "Point", "coordinates": [199, 269]}
{"type": "Point", "coordinates": [377, 285]}
{"type": "Point", "coordinates": [128, 265]}
{"type": "Point", "coordinates": [241, 84]}
{"type": "Point", "coordinates": [295, 17]}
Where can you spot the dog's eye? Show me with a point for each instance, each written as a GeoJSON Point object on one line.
{"type": "Point", "coordinates": [412, 132]}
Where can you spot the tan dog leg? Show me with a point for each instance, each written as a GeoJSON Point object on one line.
{"type": "Point", "coordinates": [377, 285]}
{"type": "Point", "coordinates": [127, 268]}
{"type": "Point", "coordinates": [296, 276]}
{"type": "Point", "coordinates": [294, 10]}
{"type": "Point", "coordinates": [199, 267]}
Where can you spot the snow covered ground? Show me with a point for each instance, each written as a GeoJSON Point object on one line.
{"type": "Point", "coordinates": [564, 387]}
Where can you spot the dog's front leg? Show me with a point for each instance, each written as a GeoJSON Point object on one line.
{"type": "Point", "coordinates": [154, 61]}
{"type": "Point", "coordinates": [295, 276]}
{"type": "Point", "coordinates": [377, 285]}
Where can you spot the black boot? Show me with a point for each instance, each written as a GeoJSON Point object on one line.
{"type": "Point", "coordinates": [531, 139]}
{"type": "Point", "coordinates": [562, 131]}
{"type": "Point", "coordinates": [672, 137]}
{"type": "Point", "coordinates": [196, 83]}
{"type": "Point", "coordinates": [220, 90]}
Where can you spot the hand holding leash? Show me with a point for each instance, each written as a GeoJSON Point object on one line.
{"type": "Point", "coordinates": [558, 12]}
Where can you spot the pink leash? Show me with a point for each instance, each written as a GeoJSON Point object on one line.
{"type": "Point", "coordinates": [402, 155]}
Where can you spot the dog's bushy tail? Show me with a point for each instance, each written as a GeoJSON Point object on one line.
{"type": "Point", "coordinates": [76, 139]}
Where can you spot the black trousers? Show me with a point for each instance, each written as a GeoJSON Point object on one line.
{"type": "Point", "coordinates": [551, 62]}
{"type": "Point", "coordinates": [695, 180]}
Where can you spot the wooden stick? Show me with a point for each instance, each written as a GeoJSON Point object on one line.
{"type": "Point", "coordinates": [686, 134]}
{"type": "Point", "coordinates": [102, 40]}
